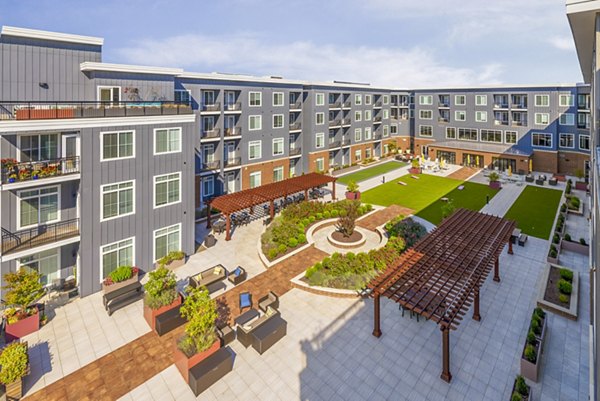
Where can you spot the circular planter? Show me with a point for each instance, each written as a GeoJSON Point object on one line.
{"type": "Point", "coordinates": [347, 245]}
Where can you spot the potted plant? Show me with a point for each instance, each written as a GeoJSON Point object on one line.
{"type": "Point", "coordinates": [347, 223]}
{"type": "Point", "coordinates": [35, 174]}
{"type": "Point", "coordinates": [521, 391]}
{"type": "Point", "coordinates": [24, 174]}
{"type": "Point", "coordinates": [352, 191]}
{"type": "Point", "coordinates": [200, 339]}
{"type": "Point", "coordinates": [14, 362]}
{"type": "Point", "coordinates": [172, 260]}
{"type": "Point", "coordinates": [579, 184]}
{"type": "Point", "coordinates": [119, 278]}
{"type": "Point", "coordinates": [161, 294]}
{"type": "Point", "coordinates": [12, 178]}
{"type": "Point", "coordinates": [532, 351]}
{"type": "Point", "coordinates": [22, 288]}
{"type": "Point", "coordinates": [494, 179]}
{"type": "Point", "coordinates": [415, 166]}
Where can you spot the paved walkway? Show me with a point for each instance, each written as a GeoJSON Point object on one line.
{"type": "Point", "coordinates": [464, 173]}
{"type": "Point", "coordinates": [383, 216]}
{"type": "Point", "coordinates": [503, 200]}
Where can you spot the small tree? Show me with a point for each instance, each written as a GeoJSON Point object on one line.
{"type": "Point", "coordinates": [161, 288]}
{"type": "Point", "coordinates": [415, 163]}
{"type": "Point", "coordinates": [201, 313]}
{"type": "Point", "coordinates": [347, 223]}
{"type": "Point", "coordinates": [352, 186]}
{"type": "Point", "coordinates": [23, 288]}
{"type": "Point", "coordinates": [14, 361]}
{"type": "Point", "coordinates": [447, 209]}
{"type": "Point", "coordinates": [493, 177]}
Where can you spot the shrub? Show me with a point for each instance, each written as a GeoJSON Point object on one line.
{"type": "Point", "coordinates": [368, 207]}
{"type": "Point", "coordinates": [335, 213]}
{"type": "Point", "coordinates": [311, 219]}
{"type": "Point", "coordinates": [574, 203]}
{"type": "Point", "coordinates": [563, 208]}
{"type": "Point", "coordinates": [516, 397]}
{"type": "Point", "coordinates": [530, 353]}
{"type": "Point", "coordinates": [567, 237]}
{"type": "Point", "coordinates": [301, 238]}
{"type": "Point", "coordinates": [121, 273]}
{"type": "Point", "coordinates": [582, 241]}
{"type": "Point", "coordinates": [14, 361]}
{"type": "Point", "coordinates": [272, 254]}
{"type": "Point", "coordinates": [539, 312]}
{"type": "Point", "coordinates": [305, 222]}
{"type": "Point", "coordinates": [347, 223]}
{"type": "Point", "coordinates": [566, 274]}
{"type": "Point", "coordinates": [553, 251]}
{"type": "Point", "coordinates": [555, 238]}
{"type": "Point", "coordinates": [415, 163]}
{"type": "Point", "coordinates": [327, 215]}
{"type": "Point", "coordinates": [282, 248]}
{"type": "Point", "coordinates": [565, 287]}
{"type": "Point", "coordinates": [292, 242]}
{"type": "Point", "coordinates": [447, 209]}
{"type": "Point", "coordinates": [407, 229]}
{"type": "Point", "coordinates": [22, 289]}
{"type": "Point", "coordinates": [170, 257]}
{"type": "Point", "coordinates": [531, 339]}
{"type": "Point", "coordinates": [534, 326]}
{"type": "Point", "coordinates": [563, 298]}
{"type": "Point", "coordinates": [352, 186]}
{"type": "Point", "coordinates": [319, 216]}
{"type": "Point", "coordinates": [161, 288]}
{"type": "Point", "coordinates": [521, 386]}
{"type": "Point", "coordinates": [493, 177]}
{"type": "Point", "coordinates": [201, 313]}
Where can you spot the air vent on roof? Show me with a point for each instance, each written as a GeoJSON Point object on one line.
{"type": "Point", "coordinates": [276, 77]}
{"type": "Point", "coordinates": [351, 83]}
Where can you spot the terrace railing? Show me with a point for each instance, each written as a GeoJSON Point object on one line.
{"type": "Point", "coordinates": [37, 236]}
{"type": "Point", "coordinates": [11, 171]}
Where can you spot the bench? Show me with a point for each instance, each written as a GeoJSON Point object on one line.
{"type": "Point", "coordinates": [522, 239]}
{"type": "Point", "coordinates": [122, 297]}
{"type": "Point", "coordinates": [117, 293]}
{"type": "Point", "coordinates": [170, 320]}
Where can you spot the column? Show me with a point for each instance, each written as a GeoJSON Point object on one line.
{"type": "Point", "coordinates": [446, 375]}
{"type": "Point", "coordinates": [476, 315]}
{"type": "Point", "coordinates": [510, 251]}
{"type": "Point", "coordinates": [497, 270]}
{"type": "Point", "coordinates": [208, 215]}
{"type": "Point", "coordinates": [333, 192]}
{"type": "Point", "coordinates": [272, 209]}
{"type": "Point", "coordinates": [376, 323]}
{"type": "Point", "coordinates": [227, 228]}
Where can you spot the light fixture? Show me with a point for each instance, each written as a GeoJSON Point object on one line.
{"type": "Point", "coordinates": [44, 85]}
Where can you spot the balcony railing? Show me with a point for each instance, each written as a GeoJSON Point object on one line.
{"type": "Point", "coordinates": [295, 126]}
{"type": "Point", "coordinates": [583, 125]}
{"type": "Point", "coordinates": [11, 171]}
{"type": "Point", "coordinates": [444, 104]}
{"type": "Point", "coordinates": [377, 136]}
{"type": "Point", "coordinates": [346, 121]}
{"type": "Point", "coordinates": [377, 104]}
{"type": "Point", "coordinates": [296, 105]}
{"type": "Point", "coordinates": [335, 144]}
{"type": "Point", "coordinates": [346, 105]}
{"type": "Point", "coordinates": [232, 131]}
{"type": "Point", "coordinates": [210, 106]}
{"type": "Point", "coordinates": [519, 105]}
{"type": "Point", "coordinates": [37, 236]}
{"type": "Point", "coordinates": [376, 119]}
{"type": "Point", "coordinates": [334, 123]}
{"type": "Point", "coordinates": [335, 105]}
{"type": "Point", "coordinates": [64, 110]}
{"type": "Point", "coordinates": [213, 133]}
{"type": "Point", "coordinates": [346, 142]}
{"type": "Point", "coordinates": [233, 106]}
{"type": "Point", "coordinates": [501, 105]}
{"type": "Point", "coordinates": [213, 165]}
{"type": "Point", "coordinates": [520, 123]}
{"type": "Point", "coordinates": [403, 104]}
{"type": "Point", "coordinates": [295, 151]}
{"type": "Point", "coordinates": [233, 161]}
{"type": "Point", "coordinates": [501, 122]}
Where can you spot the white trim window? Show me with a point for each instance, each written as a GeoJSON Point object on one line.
{"type": "Point", "coordinates": [566, 140]}
{"type": "Point", "coordinates": [254, 99]}
{"type": "Point", "coordinates": [386, 114]}
{"type": "Point", "coordinates": [425, 100]}
{"type": "Point", "coordinates": [277, 121]}
{"type": "Point", "coordinates": [541, 139]}
{"type": "Point", "coordinates": [511, 137]}
{"type": "Point", "coordinates": [208, 186]}
{"type": "Point", "coordinates": [357, 100]}
{"type": "Point", "coordinates": [167, 189]}
{"type": "Point", "coordinates": [542, 118]}
{"type": "Point", "coordinates": [255, 179]}
{"type": "Point", "coordinates": [467, 134]}
{"type": "Point", "coordinates": [117, 200]}
{"type": "Point", "coordinates": [120, 253]}
{"type": "Point", "coordinates": [480, 100]}
{"type": "Point", "coordinates": [254, 123]}
{"type": "Point", "coordinates": [278, 174]}
{"type": "Point", "coordinates": [38, 147]}
{"type": "Point", "coordinates": [320, 118]}
{"type": "Point", "coordinates": [386, 131]}
{"type": "Point", "coordinates": [566, 119]}
{"type": "Point", "coordinates": [38, 206]}
{"type": "Point", "coordinates": [460, 115]}
{"type": "Point", "coordinates": [566, 100]}
{"type": "Point", "coordinates": [167, 140]}
{"type": "Point", "coordinates": [368, 115]}
{"type": "Point", "coordinates": [117, 145]}
{"type": "Point", "coordinates": [357, 135]}
{"type": "Point", "coordinates": [491, 135]}
{"type": "Point", "coordinates": [368, 100]}
{"type": "Point", "coordinates": [357, 116]}
{"type": "Point", "coordinates": [481, 116]}
{"type": "Point", "coordinates": [367, 133]}
{"type": "Point", "coordinates": [278, 99]}
{"type": "Point", "coordinates": [320, 164]}
{"type": "Point", "coordinates": [460, 100]}
{"type": "Point", "coordinates": [319, 140]}
{"type": "Point", "coordinates": [277, 146]}
{"type": "Point", "coordinates": [450, 133]}
{"type": "Point", "coordinates": [109, 94]}
{"type": "Point", "coordinates": [254, 150]}
{"type": "Point", "coordinates": [320, 99]}
{"type": "Point", "coordinates": [426, 130]}
{"type": "Point", "coordinates": [357, 155]}
{"type": "Point", "coordinates": [183, 96]}
{"type": "Point", "coordinates": [394, 129]}
{"type": "Point", "coordinates": [542, 100]}
{"type": "Point", "coordinates": [386, 100]}
{"type": "Point", "coordinates": [584, 142]}
{"type": "Point", "coordinates": [47, 263]}
{"type": "Point", "coordinates": [167, 240]}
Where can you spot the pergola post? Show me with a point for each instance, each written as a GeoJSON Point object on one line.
{"type": "Point", "coordinates": [306, 194]}
{"type": "Point", "coordinates": [510, 251]}
{"type": "Point", "coordinates": [208, 215]}
{"type": "Point", "coordinates": [476, 315]}
{"type": "Point", "coordinates": [272, 208]}
{"type": "Point", "coordinates": [446, 375]}
{"type": "Point", "coordinates": [333, 191]}
{"type": "Point", "coordinates": [376, 323]}
{"type": "Point", "coordinates": [227, 227]}
{"type": "Point", "coordinates": [497, 270]}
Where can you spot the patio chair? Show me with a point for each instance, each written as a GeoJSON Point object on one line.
{"type": "Point", "coordinates": [271, 299]}
{"type": "Point", "coordinates": [245, 301]}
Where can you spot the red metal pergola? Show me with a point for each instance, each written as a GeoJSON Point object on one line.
{"type": "Point", "coordinates": [249, 198]}
{"type": "Point", "coordinates": [440, 277]}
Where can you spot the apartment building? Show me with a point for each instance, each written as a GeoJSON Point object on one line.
{"type": "Point", "coordinates": [94, 162]}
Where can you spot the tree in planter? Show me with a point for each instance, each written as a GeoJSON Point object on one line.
{"type": "Point", "coordinates": [352, 186]}
{"type": "Point", "coordinates": [347, 223]}
{"type": "Point", "coordinates": [530, 353]}
{"type": "Point", "coordinates": [23, 288]}
{"type": "Point", "coordinates": [201, 313]}
{"type": "Point", "coordinates": [14, 361]}
{"type": "Point", "coordinates": [161, 288]}
{"type": "Point", "coordinates": [521, 389]}
{"type": "Point", "coordinates": [415, 163]}
{"type": "Point", "coordinates": [447, 209]}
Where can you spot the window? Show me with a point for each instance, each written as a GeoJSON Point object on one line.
{"type": "Point", "coordinates": [541, 139]}
{"type": "Point", "coordinates": [277, 121]}
{"type": "Point", "coordinates": [358, 100]}
{"type": "Point", "coordinates": [450, 133]}
{"type": "Point", "coordinates": [167, 189]}
{"type": "Point", "coordinates": [542, 118]}
{"type": "Point", "coordinates": [320, 118]}
{"type": "Point", "coordinates": [480, 100]}
{"type": "Point", "coordinates": [357, 135]}
{"type": "Point", "coordinates": [386, 99]}
{"type": "Point", "coordinates": [254, 150]}
{"type": "Point", "coordinates": [208, 98]}
{"type": "Point", "coordinates": [460, 100]}
{"type": "Point", "coordinates": [425, 130]}
{"type": "Point", "coordinates": [277, 99]}
{"type": "Point", "coordinates": [368, 153]}
{"type": "Point", "coordinates": [566, 141]}
{"type": "Point", "coordinates": [117, 254]}
{"type": "Point", "coordinates": [368, 115]}
{"type": "Point", "coordinates": [167, 140]}
{"type": "Point", "coordinates": [510, 136]}
{"type": "Point", "coordinates": [38, 147]}
{"type": "Point", "coordinates": [386, 113]}
{"type": "Point", "coordinates": [117, 145]}
{"type": "Point", "coordinates": [38, 206]}
{"type": "Point", "coordinates": [542, 100]}
{"type": "Point", "coordinates": [357, 155]}
{"type": "Point", "coordinates": [320, 140]}
{"type": "Point", "coordinates": [117, 199]}
{"type": "Point", "coordinates": [46, 263]}
{"type": "Point", "coordinates": [254, 123]}
{"type": "Point", "coordinates": [320, 99]}
{"type": "Point", "coordinates": [467, 134]}
{"type": "Point", "coordinates": [182, 96]}
{"type": "Point", "coordinates": [584, 142]}
{"type": "Point", "coordinates": [278, 174]}
{"type": "Point", "coordinates": [208, 153]}
{"type": "Point", "coordinates": [167, 240]}
{"type": "Point", "coordinates": [425, 114]}
{"type": "Point", "coordinates": [277, 146]}
{"type": "Point", "coordinates": [393, 129]}
{"type": "Point", "coordinates": [320, 164]}
{"type": "Point", "coordinates": [255, 179]}
{"type": "Point", "coordinates": [566, 100]}
{"type": "Point", "coordinates": [367, 133]}
{"type": "Point", "coordinates": [583, 120]}
{"type": "Point", "coordinates": [368, 99]}
{"type": "Point", "coordinates": [491, 135]}
{"type": "Point", "coordinates": [460, 115]}
{"type": "Point", "coordinates": [208, 186]}
{"type": "Point", "coordinates": [567, 119]}
{"type": "Point", "coordinates": [481, 116]}
{"type": "Point", "coordinates": [426, 100]}
{"type": "Point", "coordinates": [109, 94]}
{"type": "Point", "coordinates": [583, 101]}
{"type": "Point", "coordinates": [386, 130]}
{"type": "Point", "coordinates": [255, 99]}
{"type": "Point", "coordinates": [357, 116]}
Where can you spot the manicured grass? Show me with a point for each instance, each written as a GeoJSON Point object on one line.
{"type": "Point", "coordinates": [535, 210]}
{"type": "Point", "coordinates": [366, 173]}
{"type": "Point", "coordinates": [416, 195]}
{"type": "Point", "coordinates": [472, 197]}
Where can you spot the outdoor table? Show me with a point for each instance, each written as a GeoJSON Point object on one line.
{"type": "Point", "coordinates": [219, 226]}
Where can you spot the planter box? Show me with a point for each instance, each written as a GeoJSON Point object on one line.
{"type": "Point", "coordinates": [110, 288]}
{"type": "Point", "coordinates": [579, 211]}
{"type": "Point", "coordinates": [523, 398]}
{"type": "Point", "coordinates": [575, 247]}
{"type": "Point", "coordinates": [552, 260]}
{"type": "Point", "coordinates": [23, 327]}
{"type": "Point", "coordinates": [581, 185]}
{"type": "Point", "coordinates": [14, 390]}
{"type": "Point", "coordinates": [571, 312]}
{"type": "Point", "coordinates": [184, 364]}
{"type": "Point", "coordinates": [114, 112]}
{"type": "Point", "coordinates": [530, 370]}
{"type": "Point", "coordinates": [93, 112]}
{"type": "Point", "coordinates": [42, 114]}
{"type": "Point", "coordinates": [413, 170]}
{"type": "Point", "coordinates": [353, 195]}
{"type": "Point", "coordinates": [495, 184]}
{"type": "Point", "coordinates": [173, 265]}
{"type": "Point", "coordinates": [151, 314]}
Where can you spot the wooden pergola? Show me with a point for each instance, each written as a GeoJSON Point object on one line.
{"type": "Point", "coordinates": [440, 277]}
{"type": "Point", "coordinates": [248, 198]}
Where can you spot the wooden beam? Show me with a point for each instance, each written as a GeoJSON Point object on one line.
{"type": "Point", "coordinates": [376, 322]}
{"type": "Point", "coordinates": [476, 315]}
{"type": "Point", "coordinates": [446, 375]}
{"type": "Point", "coordinates": [228, 227]}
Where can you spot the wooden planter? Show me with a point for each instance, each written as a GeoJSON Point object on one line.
{"type": "Point", "coordinates": [414, 170]}
{"type": "Point", "coordinates": [530, 370]}
{"type": "Point", "coordinates": [115, 286]}
{"type": "Point", "coordinates": [184, 364]}
{"type": "Point", "coordinates": [173, 265]}
{"type": "Point", "coordinates": [151, 314]}
{"type": "Point", "coordinates": [14, 390]}
{"type": "Point", "coordinates": [353, 195]}
{"type": "Point", "coordinates": [495, 184]}
{"type": "Point", "coordinates": [23, 327]}
{"type": "Point", "coordinates": [44, 114]}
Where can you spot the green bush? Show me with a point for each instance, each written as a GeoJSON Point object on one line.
{"type": "Point", "coordinates": [531, 339]}
{"type": "Point", "coordinates": [305, 222]}
{"type": "Point", "coordinates": [352, 186]}
{"type": "Point", "coordinates": [553, 252]}
{"type": "Point", "coordinates": [161, 288]}
{"type": "Point", "coordinates": [319, 216]}
{"type": "Point", "coordinates": [13, 360]}
{"type": "Point", "coordinates": [563, 208]}
{"type": "Point", "coordinates": [534, 326]}
{"type": "Point", "coordinates": [566, 274]}
{"type": "Point", "coordinates": [272, 254]}
{"type": "Point", "coordinates": [567, 237]}
{"type": "Point", "coordinates": [582, 241]}
{"type": "Point", "coordinates": [335, 213]}
{"type": "Point", "coordinates": [201, 313]}
{"type": "Point", "coordinates": [326, 214]}
{"type": "Point", "coordinates": [555, 239]}
{"type": "Point", "coordinates": [539, 312]}
{"type": "Point", "coordinates": [311, 219]}
{"type": "Point", "coordinates": [563, 298]}
{"type": "Point", "coordinates": [301, 238]}
{"type": "Point", "coordinates": [521, 386]}
{"type": "Point", "coordinates": [292, 242]}
{"type": "Point", "coordinates": [565, 287]}
{"type": "Point", "coordinates": [516, 397]}
{"type": "Point", "coordinates": [121, 273]}
{"type": "Point", "coordinates": [170, 257]}
{"type": "Point", "coordinates": [282, 248]}
{"type": "Point", "coordinates": [23, 288]}
{"type": "Point", "coordinates": [574, 203]}
{"type": "Point", "coordinates": [407, 229]}
{"type": "Point", "coordinates": [530, 353]}
{"type": "Point", "coordinates": [369, 207]}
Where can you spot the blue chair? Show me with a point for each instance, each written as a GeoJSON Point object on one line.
{"type": "Point", "coordinates": [245, 301]}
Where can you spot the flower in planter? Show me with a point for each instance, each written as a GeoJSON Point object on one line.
{"type": "Point", "coordinates": [161, 288]}
{"type": "Point", "coordinates": [14, 361]}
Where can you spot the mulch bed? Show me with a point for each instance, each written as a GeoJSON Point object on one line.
{"type": "Point", "coordinates": [552, 292]}
{"type": "Point", "coordinates": [338, 236]}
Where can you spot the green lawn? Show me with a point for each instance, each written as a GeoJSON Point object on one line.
{"type": "Point", "coordinates": [366, 173]}
{"type": "Point", "coordinates": [472, 197]}
{"type": "Point", "coordinates": [535, 210]}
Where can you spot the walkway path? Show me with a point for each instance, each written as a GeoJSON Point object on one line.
{"type": "Point", "coordinates": [464, 173]}
{"type": "Point", "coordinates": [383, 216]}
{"type": "Point", "coordinates": [503, 200]}
{"type": "Point", "coordinates": [124, 369]}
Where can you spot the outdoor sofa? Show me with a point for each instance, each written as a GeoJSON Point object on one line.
{"type": "Point", "coordinates": [207, 277]}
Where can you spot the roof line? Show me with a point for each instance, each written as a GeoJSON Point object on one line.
{"type": "Point", "coordinates": [53, 36]}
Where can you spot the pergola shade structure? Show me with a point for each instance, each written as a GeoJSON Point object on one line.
{"type": "Point", "coordinates": [440, 277]}
{"type": "Point", "coordinates": [248, 198]}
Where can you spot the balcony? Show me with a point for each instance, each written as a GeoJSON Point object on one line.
{"type": "Point", "coordinates": [377, 120]}
{"type": "Point", "coordinates": [346, 105]}
{"type": "Point", "coordinates": [335, 123]}
{"type": "Point", "coordinates": [296, 105]}
{"type": "Point", "coordinates": [233, 106]}
{"type": "Point", "coordinates": [335, 105]}
{"type": "Point", "coordinates": [500, 122]}
{"type": "Point", "coordinates": [66, 110]}
{"type": "Point", "coordinates": [210, 107]}
{"type": "Point", "coordinates": [519, 123]}
{"type": "Point", "coordinates": [346, 121]}
{"type": "Point", "coordinates": [444, 104]}
{"type": "Point", "coordinates": [377, 104]}
{"type": "Point", "coordinates": [583, 125]}
{"type": "Point", "coordinates": [295, 126]}
{"type": "Point", "coordinates": [295, 151]}
{"type": "Point", "coordinates": [443, 119]}
{"type": "Point", "coordinates": [211, 134]}
{"type": "Point", "coordinates": [38, 236]}
{"type": "Point", "coordinates": [346, 142]}
{"type": "Point", "coordinates": [233, 162]}
{"type": "Point", "coordinates": [377, 136]}
{"type": "Point", "coordinates": [335, 144]}
{"type": "Point", "coordinates": [232, 131]}
{"type": "Point", "coordinates": [12, 172]}
{"type": "Point", "coordinates": [403, 103]}
{"type": "Point", "coordinates": [212, 165]}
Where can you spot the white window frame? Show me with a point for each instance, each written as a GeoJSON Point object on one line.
{"type": "Point", "coordinates": [255, 143]}
{"type": "Point", "coordinates": [132, 239]}
{"type": "Point", "coordinates": [189, 92]}
{"type": "Point", "coordinates": [56, 255]}
{"type": "Point", "coordinates": [317, 115]}
{"type": "Point", "coordinates": [386, 131]}
{"type": "Point", "coordinates": [358, 155]}
{"type": "Point", "coordinates": [319, 138]}
{"type": "Point", "coordinates": [386, 99]}
{"type": "Point", "coordinates": [569, 96]}
{"type": "Point", "coordinates": [539, 103]}
{"type": "Point", "coordinates": [255, 174]}
{"type": "Point", "coordinates": [102, 218]}
{"type": "Point", "coordinates": [560, 136]}
{"type": "Point", "coordinates": [357, 99]}
{"type": "Point", "coordinates": [275, 94]}
{"type": "Point", "coordinates": [250, 99]}
{"type": "Point", "coordinates": [386, 114]}
{"type": "Point", "coordinates": [282, 121]}
{"type": "Point", "coordinates": [102, 159]}
{"type": "Point", "coordinates": [278, 168]}
{"type": "Point", "coordinates": [156, 177]}
{"type": "Point", "coordinates": [479, 98]}
{"type": "Point", "coordinates": [99, 87]}
{"type": "Point", "coordinates": [320, 99]}
{"type": "Point", "coordinates": [211, 179]}
{"type": "Point", "coordinates": [511, 132]}
{"type": "Point", "coordinates": [457, 103]}
{"type": "Point", "coordinates": [423, 114]}
{"type": "Point", "coordinates": [450, 128]}
{"type": "Point", "coordinates": [358, 114]}
{"type": "Point", "coordinates": [368, 133]}
{"type": "Point", "coordinates": [456, 114]}
{"type": "Point", "coordinates": [588, 139]}
{"type": "Point", "coordinates": [541, 115]}
{"type": "Point", "coordinates": [357, 134]}
{"type": "Point", "coordinates": [178, 225]}
{"type": "Point", "coordinates": [368, 100]}
{"type": "Point", "coordinates": [425, 100]}
{"type": "Point", "coordinates": [368, 115]}
{"type": "Point", "coordinates": [320, 160]}
{"type": "Point", "coordinates": [58, 213]}
{"type": "Point", "coordinates": [421, 131]}
{"type": "Point", "coordinates": [566, 123]}
{"type": "Point", "coordinates": [545, 134]}
{"type": "Point", "coordinates": [278, 141]}
{"type": "Point", "coordinates": [256, 117]}
{"type": "Point", "coordinates": [478, 116]}
{"type": "Point", "coordinates": [178, 129]}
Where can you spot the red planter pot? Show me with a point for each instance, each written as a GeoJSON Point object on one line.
{"type": "Point", "coordinates": [413, 170]}
{"type": "Point", "coordinates": [151, 314]}
{"type": "Point", "coordinates": [184, 364]}
{"type": "Point", "coordinates": [353, 195]}
{"type": "Point", "coordinates": [581, 185]}
{"type": "Point", "coordinates": [495, 184]}
{"type": "Point", "coordinates": [23, 327]}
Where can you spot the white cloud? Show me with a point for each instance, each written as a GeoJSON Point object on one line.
{"type": "Point", "coordinates": [562, 43]}
{"type": "Point", "coordinates": [254, 54]}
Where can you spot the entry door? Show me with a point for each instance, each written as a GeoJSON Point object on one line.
{"type": "Point", "coordinates": [70, 153]}
{"type": "Point", "coordinates": [426, 151]}
{"type": "Point", "coordinates": [230, 183]}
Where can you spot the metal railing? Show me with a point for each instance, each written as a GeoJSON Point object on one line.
{"type": "Point", "coordinates": [237, 106]}
{"type": "Point", "coordinates": [37, 236]}
{"type": "Point", "coordinates": [295, 151]}
{"type": "Point", "coordinates": [519, 105]}
{"type": "Point", "coordinates": [520, 123]}
{"type": "Point", "coordinates": [346, 121]}
{"type": "Point", "coordinates": [443, 104]}
{"type": "Point", "coordinates": [295, 126]}
{"type": "Point", "coordinates": [501, 122]}
{"type": "Point", "coordinates": [376, 136]}
{"type": "Point", "coordinates": [377, 104]}
{"type": "Point", "coordinates": [335, 144]}
{"type": "Point", "coordinates": [213, 133]}
{"type": "Point", "coordinates": [346, 142]}
{"type": "Point", "coordinates": [211, 107]}
{"type": "Point", "coordinates": [443, 119]}
{"type": "Point", "coordinates": [213, 165]}
{"type": "Point", "coordinates": [64, 110]}
{"type": "Point", "coordinates": [335, 105]}
{"type": "Point", "coordinates": [296, 106]}
{"type": "Point", "coordinates": [11, 171]}
{"type": "Point", "coordinates": [233, 131]}
{"type": "Point", "coordinates": [346, 105]}
{"type": "Point", "coordinates": [334, 123]}
{"type": "Point", "coordinates": [233, 161]}
{"type": "Point", "coordinates": [377, 119]}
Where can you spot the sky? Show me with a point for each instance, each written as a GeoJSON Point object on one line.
{"type": "Point", "coordinates": [399, 43]}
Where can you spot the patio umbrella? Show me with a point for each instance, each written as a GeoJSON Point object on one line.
{"type": "Point", "coordinates": [468, 160]}
{"type": "Point", "coordinates": [442, 163]}
{"type": "Point", "coordinates": [477, 160]}
{"type": "Point", "coordinates": [509, 171]}
{"type": "Point", "coordinates": [530, 165]}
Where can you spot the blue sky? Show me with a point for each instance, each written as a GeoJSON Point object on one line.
{"type": "Point", "coordinates": [400, 43]}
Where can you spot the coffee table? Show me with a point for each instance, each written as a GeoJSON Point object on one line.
{"type": "Point", "coordinates": [246, 317]}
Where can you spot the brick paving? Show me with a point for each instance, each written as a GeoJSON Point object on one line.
{"type": "Point", "coordinates": [383, 216]}
{"type": "Point", "coordinates": [464, 173]}
{"type": "Point", "coordinates": [124, 369]}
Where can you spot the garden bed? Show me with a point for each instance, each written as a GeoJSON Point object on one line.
{"type": "Point", "coordinates": [549, 297]}
{"type": "Point", "coordinates": [338, 236]}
